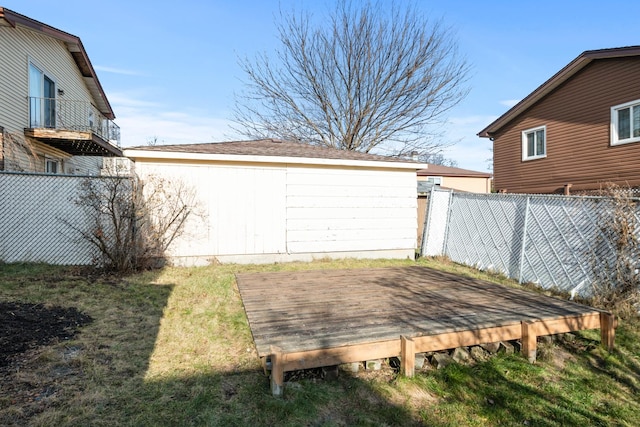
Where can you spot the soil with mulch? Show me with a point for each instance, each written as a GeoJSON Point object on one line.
{"type": "Point", "coordinates": [26, 326]}
{"type": "Point", "coordinates": [25, 331]}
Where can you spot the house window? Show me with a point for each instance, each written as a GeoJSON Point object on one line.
{"type": "Point", "coordinates": [625, 123]}
{"type": "Point", "coordinates": [42, 98]}
{"type": "Point", "coordinates": [534, 143]}
{"type": "Point", "coordinates": [435, 180]}
{"type": "Point", "coordinates": [52, 166]}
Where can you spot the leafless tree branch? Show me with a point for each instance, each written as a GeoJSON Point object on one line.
{"type": "Point", "coordinates": [367, 77]}
{"type": "Point", "coordinates": [131, 222]}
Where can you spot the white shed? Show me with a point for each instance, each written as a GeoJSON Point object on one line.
{"type": "Point", "coordinates": [273, 201]}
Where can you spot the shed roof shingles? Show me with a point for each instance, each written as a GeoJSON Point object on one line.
{"type": "Point", "coordinates": [270, 147]}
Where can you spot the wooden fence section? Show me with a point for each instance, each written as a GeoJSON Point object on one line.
{"type": "Point", "coordinates": [311, 319]}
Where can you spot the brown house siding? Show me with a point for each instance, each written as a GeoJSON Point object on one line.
{"type": "Point", "coordinates": [577, 116]}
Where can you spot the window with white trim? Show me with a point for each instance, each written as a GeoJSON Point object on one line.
{"type": "Point", "coordinates": [625, 123]}
{"type": "Point", "coordinates": [42, 97]}
{"type": "Point", "coordinates": [534, 143]}
{"type": "Point", "coordinates": [435, 180]}
{"type": "Point", "coordinates": [52, 166]}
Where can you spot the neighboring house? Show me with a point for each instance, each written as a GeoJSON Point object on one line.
{"type": "Point", "coordinates": [578, 131]}
{"type": "Point", "coordinates": [54, 114]}
{"type": "Point", "coordinates": [455, 179]}
{"type": "Point", "coordinates": [271, 201]}
{"type": "Point", "coordinates": [449, 178]}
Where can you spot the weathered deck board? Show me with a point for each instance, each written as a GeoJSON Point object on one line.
{"type": "Point", "coordinates": [315, 310]}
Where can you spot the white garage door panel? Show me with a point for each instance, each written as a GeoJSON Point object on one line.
{"type": "Point", "coordinates": [348, 246]}
{"type": "Point", "coordinates": [308, 176]}
{"type": "Point", "coordinates": [350, 235]}
{"type": "Point", "coordinates": [309, 190]}
{"type": "Point", "coordinates": [349, 213]}
{"type": "Point", "coordinates": [341, 224]}
{"type": "Point", "coordinates": [351, 202]}
{"type": "Point", "coordinates": [350, 210]}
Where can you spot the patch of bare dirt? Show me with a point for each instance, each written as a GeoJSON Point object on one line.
{"type": "Point", "coordinates": [26, 330]}
{"type": "Point", "coordinates": [26, 326]}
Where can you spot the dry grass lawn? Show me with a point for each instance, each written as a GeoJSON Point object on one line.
{"type": "Point", "coordinates": [172, 347]}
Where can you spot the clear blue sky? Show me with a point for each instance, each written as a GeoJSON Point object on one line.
{"type": "Point", "coordinates": [170, 68]}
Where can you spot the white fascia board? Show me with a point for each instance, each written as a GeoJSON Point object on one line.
{"type": "Point", "coordinates": [172, 155]}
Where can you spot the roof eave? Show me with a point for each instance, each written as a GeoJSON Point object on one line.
{"type": "Point", "coordinates": [137, 154]}
{"type": "Point", "coordinates": [556, 80]}
{"type": "Point", "coordinates": [457, 175]}
{"type": "Point", "coordinates": [75, 48]}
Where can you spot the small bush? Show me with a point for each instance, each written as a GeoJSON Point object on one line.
{"type": "Point", "coordinates": [616, 285]}
{"type": "Point", "coordinates": [129, 222]}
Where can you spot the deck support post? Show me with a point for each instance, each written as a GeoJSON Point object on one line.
{"type": "Point", "coordinates": [529, 341]}
{"type": "Point", "coordinates": [607, 330]}
{"type": "Point", "coordinates": [407, 356]}
{"type": "Point", "coordinates": [277, 371]}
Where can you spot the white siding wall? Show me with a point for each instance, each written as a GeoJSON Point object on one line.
{"type": "Point", "coordinates": [23, 154]}
{"type": "Point", "coordinates": [17, 46]}
{"type": "Point", "coordinates": [243, 208]}
{"type": "Point", "coordinates": [83, 165]}
{"type": "Point", "coordinates": [275, 212]}
{"type": "Point", "coordinates": [342, 210]}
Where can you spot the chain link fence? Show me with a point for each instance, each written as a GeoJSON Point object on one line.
{"type": "Point", "coordinates": [555, 241]}
{"type": "Point", "coordinates": [33, 212]}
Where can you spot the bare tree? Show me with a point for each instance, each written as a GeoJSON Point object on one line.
{"type": "Point", "coordinates": [367, 76]}
{"type": "Point", "coordinates": [438, 159]}
{"type": "Point", "coordinates": [616, 258]}
{"type": "Point", "coordinates": [166, 207]}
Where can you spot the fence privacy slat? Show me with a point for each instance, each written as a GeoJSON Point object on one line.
{"type": "Point", "coordinates": [34, 215]}
{"type": "Point", "coordinates": [555, 241]}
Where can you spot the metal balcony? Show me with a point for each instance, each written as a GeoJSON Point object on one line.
{"type": "Point", "coordinates": [76, 127]}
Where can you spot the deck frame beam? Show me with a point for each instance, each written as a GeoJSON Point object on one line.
{"type": "Point", "coordinates": [406, 347]}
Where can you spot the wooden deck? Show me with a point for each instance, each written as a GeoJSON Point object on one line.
{"type": "Point", "coordinates": [307, 319]}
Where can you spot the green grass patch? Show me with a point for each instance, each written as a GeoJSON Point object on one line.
{"type": "Point", "coordinates": [173, 347]}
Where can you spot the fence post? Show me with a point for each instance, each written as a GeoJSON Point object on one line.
{"type": "Point", "coordinates": [524, 239]}
{"type": "Point", "coordinates": [425, 226]}
{"type": "Point", "coordinates": [427, 222]}
{"type": "Point", "coordinates": [446, 230]}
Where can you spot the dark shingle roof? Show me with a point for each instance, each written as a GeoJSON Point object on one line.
{"type": "Point", "coordinates": [270, 147]}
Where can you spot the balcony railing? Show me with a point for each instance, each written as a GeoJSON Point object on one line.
{"type": "Point", "coordinates": [70, 115]}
